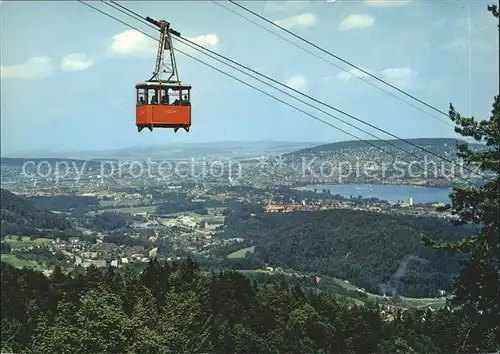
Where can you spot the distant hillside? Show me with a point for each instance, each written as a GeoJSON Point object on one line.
{"type": "Point", "coordinates": [19, 215]}
{"type": "Point", "coordinates": [364, 247]}
{"type": "Point", "coordinates": [432, 144]}
{"type": "Point", "coordinates": [384, 161]}
{"type": "Point", "coordinates": [65, 203]}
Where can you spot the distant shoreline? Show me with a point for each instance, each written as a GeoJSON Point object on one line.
{"type": "Point", "coordinates": [380, 183]}
{"type": "Point", "coordinates": [388, 192]}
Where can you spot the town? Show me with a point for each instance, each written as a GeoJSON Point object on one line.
{"type": "Point", "coordinates": [191, 228]}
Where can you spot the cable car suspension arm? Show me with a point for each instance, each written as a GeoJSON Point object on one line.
{"type": "Point", "coordinates": [164, 44]}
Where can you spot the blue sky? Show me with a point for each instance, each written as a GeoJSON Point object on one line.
{"type": "Point", "coordinates": [68, 72]}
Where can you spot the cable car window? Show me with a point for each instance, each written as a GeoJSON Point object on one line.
{"type": "Point", "coordinates": [153, 96]}
{"type": "Point", "coordinates": [174, 96]}
{"type": "Point", "coordinates": [186, 97]}
{"type": "Point", "coordinates": [141, 96]}
{"type": "Point", "coordinates": [165, 99]}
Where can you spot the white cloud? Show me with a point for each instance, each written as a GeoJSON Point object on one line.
{"type": "Point", "coordinates": [463, 44]}
{"type": "Point", "coordinates": [356, 21]}
{"type": "Point", "coordinates": [399, 77]}
{"type": "Point", "coordinates": [32, 69]}
{"type": "Point", "coordinates": [209, 41]}
{"type": "Point", "coordinates": [459, 43]}
{"type": "Point", "coordinates": [132, 42]}
{"type": "Point", "coordinates": [436, 25]}
{"type": "Point", "coordinates": [386, 3]}
{"type": "Point", "coordinates": [304, 20]}
{"type": "Point", "coordinates": [298, 82]}
{"type": "Point", "coordinates": [475, 36]}
{"type": "Point", "coordinates": [76, 62]}
{"type": "Point", "coordinates": [285, 5]}
{"type": "Point", "coordinates": [347, 75]}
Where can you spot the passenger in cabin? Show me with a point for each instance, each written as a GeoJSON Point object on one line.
{"type": "Point", "coordinates": [141, 100]}
{"type": "Point", "coordinates": [154, 100]}
{"type": "Point", "coordinates": [185, 101]}
{"type": "Point", "coordinates": [176, 102]}
{"type": "Point", "coordinates": [164, 97]}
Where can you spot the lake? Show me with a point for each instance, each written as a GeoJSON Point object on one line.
{"type": "Point", "coordinates": [391, 193]}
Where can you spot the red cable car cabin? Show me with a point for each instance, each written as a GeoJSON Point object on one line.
{"type": "Point", "coordinates": [163, 105]}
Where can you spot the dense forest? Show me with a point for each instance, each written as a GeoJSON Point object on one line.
{"type": "Point", "coordinates": [366, 248]}
{"type": "Point", "coordinates": [179, 205]}
{"type": "Point", "coordinates": [65, 203]}
{"type": "Point", "coordinates": [107, 221]}
{"type": "Point", "coordinates": [20, 216]}
{"type": "Point", "coordinates": [342, 243]}
{"type": "Point", "coordinates": [175, 308]}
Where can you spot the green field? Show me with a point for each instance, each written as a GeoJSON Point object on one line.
{"type": "Point", "coordinates": [424, 303]}
{"type": "Point", "coordinates": [336, 283]}
{"type": "Point", "coordinates": [118, 203]}
{"type": "Point", "coordinates": [17, 262]}
{"type": "Point", "coordinates": [241, 253]}
{"type": "Point", "coordinates": [345, 289]}
{"type": "Point", "coordinates": [202, 218]}
{"type": "Point", "coordinates": [133, 210]}
{"type": "Point", "coordinates": [25, 241]}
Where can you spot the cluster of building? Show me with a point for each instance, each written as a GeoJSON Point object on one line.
{"type": "Point", "coordinates": [382, 207]}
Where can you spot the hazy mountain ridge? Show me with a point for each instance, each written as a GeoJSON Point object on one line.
{"type": "Point", "coordinates": [432, 144]}
{"type": "Point", "coordinates": [19, 161]}
{"type": "Point", "coordinates": [228, 149]}
{"type": "Point", "coordinates": [238, 150]}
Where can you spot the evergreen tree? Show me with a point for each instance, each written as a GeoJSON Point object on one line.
{"type": "Point", "coordinates": [477, 286]}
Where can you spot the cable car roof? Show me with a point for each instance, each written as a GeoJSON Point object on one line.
{"type": "Point", "coordinates": [166, 84]}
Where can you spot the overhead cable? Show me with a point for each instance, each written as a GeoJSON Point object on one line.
{"type": "Point", "coordinates": [142, 19]}
{"type": "Point", "coordinates": [445, 121]}
{"type": "Point", "coordinates": [340, 59]}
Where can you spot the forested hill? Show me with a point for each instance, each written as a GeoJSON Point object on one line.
{"type": "Point", "coordinates": [363, 247]}
{"type": "Point", "coordinates": [432, 144]}
{"type": "Point", "coordinates": [170, 308]}
{"type": "Point", "coordinates": [19, 215]}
